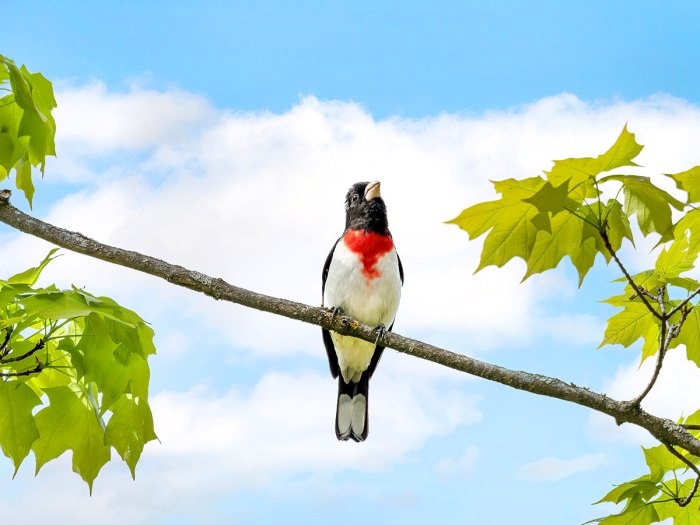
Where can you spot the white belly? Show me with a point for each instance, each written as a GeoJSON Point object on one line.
{"type": "Point", "coordinates": [372, 301]}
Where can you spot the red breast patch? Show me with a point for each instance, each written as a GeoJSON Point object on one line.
{"type": "Point", "coordinates": [369, 247]}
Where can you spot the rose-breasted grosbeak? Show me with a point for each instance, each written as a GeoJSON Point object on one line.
{"type": "Point", "coordinates": [362, 278]}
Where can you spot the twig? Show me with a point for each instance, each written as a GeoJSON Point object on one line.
{"type": "Point", "coordinates": [668, 333]}
{"type": "Point", "coordinates": [664, 430]}
{"type": "Point", "coordinates": [649, 294]}
{"type": "Point", "coordinates": [663, 345]}
{"type": "Point", "coordinates": [40, 344]}
{"type": "Point", "coordinates": [26, 372]}
{"type": "Point", "coordinates": [635, 286]}
{"type": "Point", "coordinates": [685, 302]}
{"type": "Point", "coordinates": [3, 346]}
{"type": "Point", "coordinates": [682, 502]}
{"type": "Point", "coordinates": [691, 427]}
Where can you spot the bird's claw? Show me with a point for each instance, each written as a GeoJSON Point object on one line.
{"type": "Point", "coordinates": [381, 331]}
{"type": "Point", "coordinates": [335, 311]}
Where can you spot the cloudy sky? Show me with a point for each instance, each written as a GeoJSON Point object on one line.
{"type": "Point", "coordinates": [219, 135]}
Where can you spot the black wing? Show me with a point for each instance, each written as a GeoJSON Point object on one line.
{"type": "Point", "coordinates": [327, 265]}
{"type": "Point", "coordinates": [327, 341]}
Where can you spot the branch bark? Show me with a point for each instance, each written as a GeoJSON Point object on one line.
{"type": "Point", "coordinates": [665, 430]}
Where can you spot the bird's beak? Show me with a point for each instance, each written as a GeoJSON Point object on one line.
{"type": "Point", "coordinates": [372, 191]}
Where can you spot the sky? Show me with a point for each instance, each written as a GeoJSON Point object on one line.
{"type": "Point", "coordinates": [220, 135]}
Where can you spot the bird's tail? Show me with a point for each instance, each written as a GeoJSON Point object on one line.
{"type": "Point", "coordinates": [351, 412]}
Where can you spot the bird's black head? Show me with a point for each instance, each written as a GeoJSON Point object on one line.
{"type": "Point", "coordinates": [365, 209]}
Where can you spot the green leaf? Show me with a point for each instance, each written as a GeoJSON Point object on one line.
{"type": "Point", "coordinates": [675, 259]}
{"type": "Point", "coordinates": [689, 182]}
{"type": "Point", "coordinates": [660, 461]}
{"type": "Point", "coordinates": [17, 427]}
{"type": "Point", "coordinates": [68, 304]}
{"type": "Point", "coordinates": [24, 180]}
{"type": "Point", "coordinates": [95, 354]}
{"type": "Point", "coordinates": [508, 221]}
{"type": "Point", "coordinates": [480, 218]}
{"type": "Point", "coordinates": [550, 198]}
{"type": "Point", "coordinates": [644, 486]}
{"type": "Point", "coordinates": [684, 282]}
{"type": "Point", "coordinates": [541, 221]}
{"type": "Point", "coordinates": [570, 236]}
{"type": "Point", "coordinates": [100, 365]}
{"type": "Point", "coordinates": [129, 429]}
{"type": "Point", "coordinates": [637, 512]}
{"type": "Point", "coordinates": [581, 172]}
{"type": "Point", "coordinates": [690, 336]}
{"type": "Point", "coordinates": [618, 227]}
{"type": "Point", "coordinates": [27, 127]}
{"type": "Point", "coordinates": [650, 204]}
{"type": "Point", "coordinates": [21, 89]}
{"type": "Point", "coordinates": [31, 275]}
{"type": "Point", "coordinates": [689, 226]}
{"type": "Point", "coordinates": [620, 154]}
{"type": "Point", "coordinates": [631, 324]}
{"type": "Point", "coordinates": [70, 424]}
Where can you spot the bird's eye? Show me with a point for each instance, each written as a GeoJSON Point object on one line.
{"type": "Point", "coordinates": [355, 198]}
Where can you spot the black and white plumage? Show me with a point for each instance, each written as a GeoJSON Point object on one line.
{"type": "Point", "coordinates": [362, 278]}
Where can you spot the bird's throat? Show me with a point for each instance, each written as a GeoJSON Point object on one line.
{"type": "Point", "coordinates": [369, 248]}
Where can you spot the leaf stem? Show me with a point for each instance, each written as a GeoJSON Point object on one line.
{"type": "Point", "coordinates": [682, 502]}
{"type": "Point", "coordinates": [584, 219]}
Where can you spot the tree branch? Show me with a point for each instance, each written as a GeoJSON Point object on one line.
{"type": "Point", "coordinates": [665, 430]}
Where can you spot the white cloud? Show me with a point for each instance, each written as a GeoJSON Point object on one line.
{"type": "Point", "coordinates": [285, 424]}
{"type": "Point", "coordinates": [552, 468]}
{"type": "Point", "coordinates": [95, 120]}
{"type": "Point", "coordinates": [256, 198]}
{"type": "Point", "coordinates": [672, 396]}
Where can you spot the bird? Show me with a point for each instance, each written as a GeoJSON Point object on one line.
{"type": "Point", "coordinates": [362, 278]}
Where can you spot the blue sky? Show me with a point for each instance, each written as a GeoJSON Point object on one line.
{"type": "Point", "coordinates": [409, 58]}
{"type": "Point", "coordinates": [207, 133]}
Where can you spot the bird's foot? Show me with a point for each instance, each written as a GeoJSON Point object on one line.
{"type": "Point", "coordinates": [335, 312]}
{"type": "Point", "coordinates": [381, 331]}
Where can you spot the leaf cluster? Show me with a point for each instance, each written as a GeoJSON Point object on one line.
{"type": "Point", "coordinates": [542, 220]}
{"type": "Point", "coordinates": [83, 360]}
{"type": "Point", "coordinates": [27, 127]}
{"type": "Point", "coordinates": [582, 207]}
{"type": "Point", "coordinates": [666, 492]}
